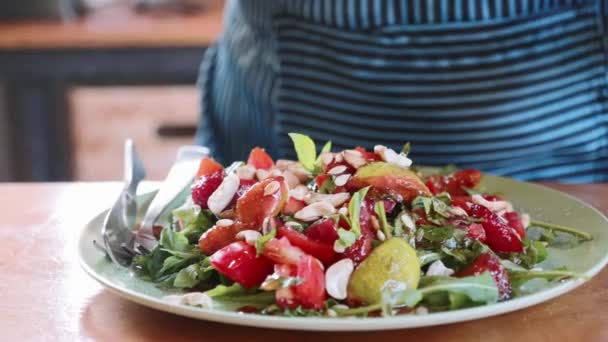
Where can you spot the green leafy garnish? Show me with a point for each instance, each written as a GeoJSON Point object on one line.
{"type": "Point", "coordinates": [194, 274]}
{"type": "Point", "coordinates": [451, 293]}
{"type": "Point", "coordinates": [261, 241]}
{"type": "Point", "coordinates": [386, 228]}
{"type": "Point", "coordinates": [354, 209]}
{"type": "Point", "coordinates": [307, 151]}
{"type": "Point", "coordinates": [583, 236]}
{"type": "Point", "coordinates": [193, 221]}
{"type": "Point", "coordinates": [534, 253]}
{"type": "Point", "coordinates": [346, 238]}
{"type": "Point", "coordinates": [406, 148]}
{"type": "Point", "coordinates": [524, 282]}
{"type": "Point", "coordinates": [174, 241]}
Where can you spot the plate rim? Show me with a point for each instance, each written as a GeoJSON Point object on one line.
{"type": "Point", "coordinates": [346, 323]}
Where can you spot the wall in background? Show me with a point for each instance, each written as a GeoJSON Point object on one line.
{"type": "Point", "coordinates": [5, 144]}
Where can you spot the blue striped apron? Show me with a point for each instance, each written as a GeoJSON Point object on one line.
{"type": "Point", "coordinates": [515, 88]}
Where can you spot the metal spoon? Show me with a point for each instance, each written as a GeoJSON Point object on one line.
{"type": "Point", "coordinates": [180, 176]}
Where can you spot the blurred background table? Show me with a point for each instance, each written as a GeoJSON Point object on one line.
{"type": "Point", "coordinates": [46, 296]}
{"type": "Point", "coordinates": [71, 90]}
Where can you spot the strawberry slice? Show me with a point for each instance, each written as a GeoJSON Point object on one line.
{"type": "Point", "coordinates": [499, 237]}
{"type": "Point", "coordinates": [207, 167]}
{"type": "Point", "coordinates": [281, 251]}
{"type": "Point", "coordinates": [490, 263]}
{"type": "Point", "coordinates": [515, 222]}
{"type": "Point", "coordinates": [240, 262]}
{"type": "Point", "coordinates": [322, 251]}
{"type": "Point", "coordinates": [262, 200]}
{"type": "Point", "coordinates": [259, 159]}
{"type": "Point", "coordinates": [311, 292]}
{"type": "Point", "coordinates": [204, 187]}
{"type": "Point", "coordinates": [292, 206]}
{"type": "Point", "coordinates": [323, 230]}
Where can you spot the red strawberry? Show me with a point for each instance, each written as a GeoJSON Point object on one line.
{"type": "Point", "coordinates": [490, 263]}
{"type": "Point", "coordinates": [204, 187]}
{"type": "Point", "coordinates": [292, 206]}
{"type": "Point", "coordinates": [281, 251]}
{"type": "Point", "coordinates": [323, 230]}
{"type": "Point", "coordinates": [515, 222]}
{"type": "Point", "coordinates": [499, 237]}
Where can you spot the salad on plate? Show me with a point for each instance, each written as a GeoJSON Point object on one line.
{"type": "Point", "coordinates": [348, 233]}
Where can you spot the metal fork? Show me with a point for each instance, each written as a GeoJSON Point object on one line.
{"type": "Point", "coordinates": [117, 230]}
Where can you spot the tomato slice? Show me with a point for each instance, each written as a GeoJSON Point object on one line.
{"type": "Point", "coordinates": [259, 159]}
{"type": "Point", "coordinates": [240, 262]}
{"type": "Point", "coordinates": [207, 167]}
{"type": "Point", "coordinates": [322, 251]}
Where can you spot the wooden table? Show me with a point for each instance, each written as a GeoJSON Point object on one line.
{"type": "Point", "coordinates": [46, 296]}
{"type": "Point", "coordinates": [40, 61]}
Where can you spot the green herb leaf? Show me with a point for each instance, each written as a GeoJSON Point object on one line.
{"type": "Point", "coordinates": [354, 209]}
{"type": "Point", "coordinates": [437, 234]}
{"type": "Point", "coordinates": [346, 238]}
{"type": "Point", "coordinates": [386, 228]}
{"type": "Point", "coordinates": [448, 169]}
{"type": "Point", "coordinates": [584, 236]}
{"type": "Point", "coordinates": [422, 202]}
{"type": "Point", "coordinates": [261, 241]}
{"type": "Point", "coordinates": [406, 148]}
{"type": "Point", "coordinates": [328, 186]}
{"type": "Point", "coordinates": [520, 279]}
{"type": "Point", "coordinates": [174, 241]}
{"type": "Point", "coordinates": [192, 275]}
{"type": "Point", "coordinates": [305, 149]}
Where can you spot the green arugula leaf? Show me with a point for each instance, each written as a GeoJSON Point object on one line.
{"type": "Point", "coordinates": [237, 294]}
{"type": "Point", "coordinates": [326, 148]}
{"type": "Point", "coordinates": [193, 220]}
{"type": "Point", "coordinates": [581, 235]}
{"type": "Point", "coordinates": [437, 234]}
{"type": "Point", "coordinates": [261, 241]}
{"type": "Point", "coordinates": [406, 148]}
{"type": "Point", "coordinates": [305, 149]}
{"type": "Point", "coordinates": [448, 169]}
{"type": "Point", "coordinates": [328, 186]}
{"type": "Point", "coordinates": [194, 274]}
{"type": "Point", "coordinates": [520, 280]}
{"type": "Point", "coordinates": [174, 241]}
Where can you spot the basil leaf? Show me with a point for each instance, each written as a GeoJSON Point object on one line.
{"type": "Point", "coordinates": [305, 149]}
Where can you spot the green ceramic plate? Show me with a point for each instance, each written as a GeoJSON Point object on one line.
{"type": "Point", "coordinates": [540, 202]}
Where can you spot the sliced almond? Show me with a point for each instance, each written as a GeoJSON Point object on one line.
{"type": "Point", "coordinates": [245, 172]}
{"type": "Point", "coordinates": [341, 180]}
{"type": "Point", "coordinates": [291, 180]}
{"type": "Point", "coordinates": [337, 170]}
{"type": "Point", "coordinates": [249, 236]}
{"type": "Point", "coordinates": [337, 276]}
{"type": "Point", "coordinates": [272, 188]}
{"type": "Point", "coordinates": [327, 158]}
{"type": "Point", "coordinates": [354, 158]}
{"type": "Point", "coordinates": [299, 192]}
{"type": "Point", "coordinates": [315, 211]}
{"type": "Point", "coordinates": [268, 225]}
{"type": "Point", "coordinates": [299, 171]}
{"type": "Point", "coordinates": [343, 211]}
{"type": "Point", "coordinates": [262, 174]}
{"type": "Point", "coordinates": [224, 223]}
{"type": "Point", "coordinates": [408, 221]}
{"type": "Point", "coordinates": [380, 235]}
{"type": "Point", "coordinates": [437, 268]}
{"type": "Point", "coordinates": [392, 157]}
{"type": "Point", "coordinates": [284, 164]}
{"type": "Point", "coordinates": [222, 196]}
{"type": "Point", "coordinates": [493, 206]}
{"type": "Point", "coordinates": [375, 223]}
{"type": "Point", "coordinates": [335, 200]}
{"type": "Point", "coordinates": [339, 158]}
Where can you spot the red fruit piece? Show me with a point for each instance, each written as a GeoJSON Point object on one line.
{"type": "Point", "coordinates": [360, 249]}
{"type": "Point", "coordinates": [322, 251]}
{"type": "Point", "coordinates": [204, 187]}
{"type": "Point", "coordinates": [476, 231]}
{"type": "Point", "coordinates": [285, 296]}
{"type": "Point", "coordinates": [218, 237]}
{"type": "Point", "coordinates": [389, 205]}
{"type": "Point", "coordinates": [369, 156]}
{"type": "Point", "coordinates": [257, 204]}
{"type": "Point", "coordinates": [259, 159]}
{"type": "Point", "coordinates": [499, 237]}
{"type": "Point", "coordinates": [311, 292]}
{"type": "Point", "coordinates": [320, 179]}
{"type": "Point", "coordinates": [281, 251]}
{"type": "Point", "coordinates": [323, 230]}
{"type": "Point", "coordinates": [207, 167]}
{"type": "Point", "coordinates": [240, 262]}
{"type": "Point", "coordinates": [292, 206]}
{"type": "Point", "coordinates": [454, 183]}
{"type": "Point", "coordinates": [514, 220]}
{"type": "Point", "coordinates": [490, 263]}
